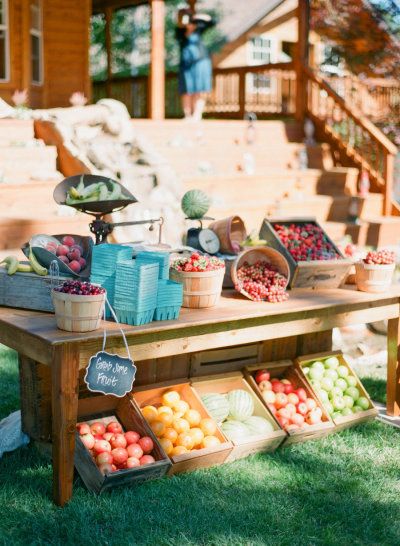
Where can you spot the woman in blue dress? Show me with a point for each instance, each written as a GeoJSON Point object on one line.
{"type": "Point", "coordinates": [195, 69]}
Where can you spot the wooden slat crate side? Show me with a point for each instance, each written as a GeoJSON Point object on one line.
{"type": "Point", "coordinates": [221, 360]}
{"type": "Point", "coordinates": [351, 420]}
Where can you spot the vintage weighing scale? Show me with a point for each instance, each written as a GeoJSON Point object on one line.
{"type": "Point", "coordinates": [100, 208]}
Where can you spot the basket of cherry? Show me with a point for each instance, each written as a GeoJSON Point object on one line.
{"type": "Point", "coordinates": [375, 272]}
{"type": "Point", "coordinates": [261, 274]}
{"type": "Point", "coordinates": [79, 306]}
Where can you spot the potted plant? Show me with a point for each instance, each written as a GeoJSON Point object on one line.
{"type": "Point", "coordinates": [374, 273]}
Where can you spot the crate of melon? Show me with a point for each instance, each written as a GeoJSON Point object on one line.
{"type": "Point", "coordinates": [293, 404]}
{"type": "Point", "coordinates": [114, 445]}
{"type": "Point", "coordinates": [242, 417]}
{"type": "Point", "coordinates": [183, 426]}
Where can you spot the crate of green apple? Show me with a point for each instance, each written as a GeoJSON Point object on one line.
{"type": "Point", "coordinates": [338, 388]}
{"type": "Point", "coordinates": [114, 444]}
{"type": "Point", "coordinates": [289, 398]}
{"type": "Point", "coordinates": [314, 259]}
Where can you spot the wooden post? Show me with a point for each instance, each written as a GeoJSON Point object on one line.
{"type": "Point", "coordinates": [393, 368]}
{"type": "Point", "coordinates": [301, 57]}
{"type": "Point", "coordinates": [108, 12]}
{"type": "Point", "coordinates": [157, 68]}
{"type": "Point", "coordinates": [192, 5]}
{"type": "Point", "coordinates": [242, 93]}
{"type": "Point", "coordinates": [387, 190]}
{"type": "Point", "coordinates": [26, 44]}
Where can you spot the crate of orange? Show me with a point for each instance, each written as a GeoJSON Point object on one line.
{"type": "Point", "coordinates": [184, 428]}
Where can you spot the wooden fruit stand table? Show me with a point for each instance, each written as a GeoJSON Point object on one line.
{"type": "Point", "coordinates": [174, 349]}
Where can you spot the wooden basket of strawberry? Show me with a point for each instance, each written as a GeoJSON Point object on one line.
{"type": "Point", "coordinates": [202, 277]}
{"type": "Point", "coordinates": [285, 391]}
{"type": "Point", "coordinates": [375, 272]}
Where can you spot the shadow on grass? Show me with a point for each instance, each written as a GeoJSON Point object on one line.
{"type": "Point", "coordinates": [376, 388]}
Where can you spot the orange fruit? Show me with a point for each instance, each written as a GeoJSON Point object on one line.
{"type": "Point", "coordinates": [165, 409]}
{"type": "Point", "coordinates": [150, 413]}
{"type": "Point", "coordinates": [210, 441]}
{"type": "Point", "coordinates": [170, 398]}
{"type": "Point", "coordinates": [180, 425]}
{"type": "Point", "coordinates": [178, 450]}
{"type": "Point", "coordinates": [158, 428]}
{"type": "Point", "coordinates": [208, 426]}
{"type": "Point", "coordinates": [170, 434]}
{"type": "Point", "coordinates": [185, 439]}
{"type": "Point", "coordinates": [166, 445]}
{"type": "Point", "coordinates": [193, 417]}
{"type": "Point", "coordinates": [180, 408]}
{"type": "Point", "coordinates": [197, 435]}
{"type": "Point", "coordinates": [165, 418]}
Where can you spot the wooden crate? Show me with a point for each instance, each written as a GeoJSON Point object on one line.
{"type": "Point", "coordinates": [286, 369]}
{"type": "Point", "coordinates": [124, 410]}
{"type": "Point", "coordinates": [310, 274]}
{"type": "Point", "coordinates": [224, 383]}
{"type": "Point", "coordinates": [355, 418]}
{"type": "Point", "coordinates": [227, 359]}
{"type": "Point", "coordinates": [26, 291]}
{"type": "Point", "coordinates": [197, 458]}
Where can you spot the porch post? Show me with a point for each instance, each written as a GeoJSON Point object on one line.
{"type": "Point", "coordinates": [192, 5]}
{"type": "Point", "coordinates": [301, 58]}
{"type": "Point", "coordinates": [26, 45]}
{"type": "Point", "coordinates": [108, 12]}
{"type": "Point", "coordinates": [157, 67]}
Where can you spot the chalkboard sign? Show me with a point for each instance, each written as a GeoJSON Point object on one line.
{"type": "Point", "coordinates": [110, 374]}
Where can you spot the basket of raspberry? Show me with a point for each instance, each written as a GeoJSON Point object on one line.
{"type": "Point", "coordinates": [79, 306]}
{"type": "Point", "coordinates": [375, 272]}
{"type": "Point", "coordinates": [202, 278]}
{"type": "Point", "coordinates": [261, 274]}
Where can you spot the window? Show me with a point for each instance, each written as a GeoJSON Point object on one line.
{"type": "Point", "coordinates": [261, 50]}
{"type": "Point", "coordinates": [36, 42]}
{"type": "Point", "coordinates": [4, 45]}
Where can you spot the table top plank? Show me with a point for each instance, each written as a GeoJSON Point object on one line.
{"type": "Point", "coordinates": [233, 309]}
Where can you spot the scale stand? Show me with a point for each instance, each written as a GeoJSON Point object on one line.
{"type": "Point", "coordinates": [101, 229]}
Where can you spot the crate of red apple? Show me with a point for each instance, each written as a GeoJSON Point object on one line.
{"type": "Point", "coordinates": [314, 259]}
{"type": "Point", "coordinates": [285, 391]}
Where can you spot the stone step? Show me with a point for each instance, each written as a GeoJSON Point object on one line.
{"type": "Point", "coordinates": [16, 130]}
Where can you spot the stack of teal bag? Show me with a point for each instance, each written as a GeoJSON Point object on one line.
{"type": "Point", "coordinates": [104, 266]}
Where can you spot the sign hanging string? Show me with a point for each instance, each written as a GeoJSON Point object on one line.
{"type": "Point", "coordinates": [120, 329]}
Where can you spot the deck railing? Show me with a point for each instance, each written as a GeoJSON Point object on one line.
{"type": "Point", "coordinates": [264, 89]}
{"type": "Point", "coordinates": [352, 133]}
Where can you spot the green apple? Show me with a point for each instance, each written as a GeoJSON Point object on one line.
{"type": "Point", "coordinates": [323, 395]}
{"type": "Point", "coordinates": [331, 363]}
{"type": "Point", "coordinates": [343, 371]}
{"type": "Point", "coordinates": [338, 403]}
{"type": "Point", "coordinates": [341, 383]}
{"type": "Point", "coordinates": [316, 384]}
{"type": "Point", "coordinates": [316, 373]}
{"type": "Point", "coordinates": [329, 408]}
{"type": "Point", "coordinates": [306, 370]}
{"type": "Point", "coordinates": [335, 392]}
{"type": "Point", "coordinates": [336, 415]}
{"type": "Point", "coordinates": [346, 411]}
{"type": "Point", "coordinates": [363, 402]}
{"type": "Point", "coordinates": [351, 381]}
{"type": "Point", "coordinates": [318, 365]}
{"type": "Point", "coordinates": [326, 384]}
{"type": "Point", "coordinates": [349, 401]}
{"type": "Point", "coordinates": [353, 392]}
{"type": "Point", "coordinates": [332, 374]}
{"type": "Point", "coordinates": [356, 409]}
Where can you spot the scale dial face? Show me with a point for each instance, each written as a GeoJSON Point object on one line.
{"type": "Point", "coordinates": [209, 241]}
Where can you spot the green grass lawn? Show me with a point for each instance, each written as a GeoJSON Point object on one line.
{"type": "Point", "coordinates": [342, 490]}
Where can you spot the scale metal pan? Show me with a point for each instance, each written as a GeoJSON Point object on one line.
{"type": "Point", "coordinates": [98, 208]}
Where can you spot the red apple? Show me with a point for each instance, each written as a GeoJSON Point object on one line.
{"type": "Point", "coordinates": [68, 240]}
{"type": "Point", "coordinates": [64, 259]}
{"type": "Point", "coordinates": [272, 408]}
{"type": "Point", "coordinates": [97, 428]}
{"type": "Point", "coordinates": [114, 468]}
{"type": "Point", "coordinates": [108, 435]}
{"type": "Point", "coordinates": [265, 386]}
{"type": "Point", "coordinates": [88, 441]}
{"type": "Point", "coordinates": [297, 419]}
{"type": "Point", "coordinates": [280, 400]}
{"type": "Point", "coordinates": [119, 455]}
{"type": "Point", "coordinates": [277, 386]}
{"type": "Point", "coordinates": [293, 398]}
{"type": "Point", "coordinates": [146, 443]}
{"type": "Point", "coordinates": [62, 250]}
{"type": "Point", "coordinates": [107, 468]}
{"type": "Point", "coordinates": [311, 404]}
{"type": "Point", "coordinates": [83, 428]}
{"type": "Point", "coordinates": [75, 266]}
{"type": "Point", "coordinates": [134, 450]}
{"type": "Point", "coordinates": [262, 375]}
{"type": "Point", "coordinates": [147, 459]}
{"type": "Point", "coordinates": [98, 437]}
{"type": "Point", "coordinates": [131, 437]}
{"type": "Point", "coordinates": [291, 408]}
{"type": "Point", "coordinates": [132, 462]}
{"type": "Point", "coordinates": [118, 440]}
{"type": "Point", "coordinates": [104, 457]}
{"type": "Point", "coordinates": [283, 421]}
{"type": "Point", "coordinates": [288, 388]}
{"type": "Point", "coordinates": [114, 427]}
{"type": "Point", "coordinates": [82, 263]}
{"type": "Point", "coordinates": [314, 417]}
{"type": "Point", "coordinates": [302, 394]}
{"type": "Point", "coordinates": [302, 408]}
{"type": "Point", "coordinates": [100, 446]}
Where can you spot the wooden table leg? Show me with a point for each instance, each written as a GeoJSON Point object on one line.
{"type": "Point", "coordinates": [64, 399]}
{"type": "Point", "coordinates": [393, 368]}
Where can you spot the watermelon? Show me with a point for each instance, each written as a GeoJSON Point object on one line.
{"type": "Point", "coordinates": [217, 406]}
{"type": "Point", "coordinates": [258, 425]}
{"type": "Point", "coordinates": [235, 430]}
{"type": "Point", "coordinates": [241, 405]}
{"type": "Point", "coordinates": [195, 204]}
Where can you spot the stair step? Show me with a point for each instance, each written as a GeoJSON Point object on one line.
{"type": "Point", "coordinates": [19, 162]}
{"type": "Point", "coordinates": [16, 130]}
